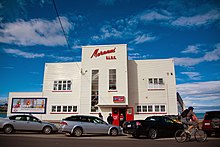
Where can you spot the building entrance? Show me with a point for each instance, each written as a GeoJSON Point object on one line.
{"type": "Point", "coordinates": [120, 115]}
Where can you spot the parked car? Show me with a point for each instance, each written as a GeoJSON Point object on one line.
{"type": "Point", "coordinates": [81, 124]}
{"type": "Point", "coordinates": [152, 127]}
{"type": "Point", "coordinates": [26, 123]}
{"type": "Point", "coordinates": [211, 122]}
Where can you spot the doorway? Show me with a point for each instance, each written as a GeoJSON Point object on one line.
{"type": "Point", "coordinates": [120, 115]}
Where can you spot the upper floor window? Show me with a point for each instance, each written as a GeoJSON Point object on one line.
{"type": "Point", "coordinates": [62, 85]}
{"type": "Point", "coordinates": [112, 79]}
{"type": "Point", "coordinates": [145, 108]}
{"type": "Point", "coordinates": [95, 91]}
{"type": "Point", "coordinates": [156, 83]}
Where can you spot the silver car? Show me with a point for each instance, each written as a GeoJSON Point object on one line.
{"type": "Point", "coordinates": [26, 123]}
{"type": "Point", "coordinates": [81, 124]}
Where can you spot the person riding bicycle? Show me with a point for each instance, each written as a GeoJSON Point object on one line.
{"type": "Point", "coordinates": [190, 120]}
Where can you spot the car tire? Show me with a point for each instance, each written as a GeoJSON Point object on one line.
{"type": "Point", "coordinates": [114, 132]}
{"type": "Point", "coordinates": [77, 132]}
{"type": "Point", "coordinates": [152, 133]}
{"type": "Point", "coordinates": [47, 130]}
{"type": "Point", "coordinates": [8, 129]}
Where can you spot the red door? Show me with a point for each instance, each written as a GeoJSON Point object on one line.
{"type": "Point", "coordinates": [129, 114]}
{"type": "Point", "coordinates": [115, 115]}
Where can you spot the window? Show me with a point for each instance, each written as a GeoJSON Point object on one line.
{"type": "Point", "coordinates": [95, 90]}
{"type": "Point", "coordinates": [156, 83]}
{"type": "Point", "coordinates": [64, 109]}
{"type": "Point", "coordinates": [138, 108]}
{"type": "Point", "coordinates": [144, 108]}
{"type": "Point", "coordinates": [112, 79]}
{"type": "Point", "coordinates": [150, 108]}
{"type": "Point", "coordinates": [62, 85]}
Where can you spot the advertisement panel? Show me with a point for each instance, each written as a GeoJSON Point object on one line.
{"type": "Point", "coordinates": [29, 105]}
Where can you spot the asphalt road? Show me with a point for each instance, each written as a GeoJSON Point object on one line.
{"type": "Point", "coordinates": [61, 140]}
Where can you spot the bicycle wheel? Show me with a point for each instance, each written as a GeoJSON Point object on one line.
{"type": "Point", "coordinates": [180, 136]}
{"type": "Point", "coordinates": [200, 136]}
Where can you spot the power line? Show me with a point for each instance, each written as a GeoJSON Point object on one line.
{"type": "Point", "coordinates": [61, 24]}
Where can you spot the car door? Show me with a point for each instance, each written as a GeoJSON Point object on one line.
{"type": "Point", "coordinates": [19, 122]}
{"type": "Point", "coordinates": [169, 126]}
{"type": "Point", "coordinates": [87, 124]}
{"type": "Point", "coordinates": [101, 126]}
{"type": "Point", "coordinates": [34, 124]}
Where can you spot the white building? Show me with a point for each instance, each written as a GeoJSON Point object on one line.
{"type": "Point", "coordinates": [104, 81]}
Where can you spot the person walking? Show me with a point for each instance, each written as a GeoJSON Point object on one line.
{"type": "Point", "coordinates": [110, 118]}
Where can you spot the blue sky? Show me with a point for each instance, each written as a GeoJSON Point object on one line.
{"type": "Point", "coordinates": [186, 30]}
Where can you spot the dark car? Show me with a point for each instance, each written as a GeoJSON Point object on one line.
{"type": "Point", "coordinates": [26, 123]}
{"type": "Point", "coordinates": [152, 127]}
{"type": "Point", "coordinates": [211, 122]}
{"type": "Point", "coordinates": [77, 125]}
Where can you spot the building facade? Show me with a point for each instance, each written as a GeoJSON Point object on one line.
{"type": "Point", "coordinates": [104, 81]}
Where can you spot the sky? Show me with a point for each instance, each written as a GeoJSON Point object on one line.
{"type": "Point", "coordinates": [187, 31]}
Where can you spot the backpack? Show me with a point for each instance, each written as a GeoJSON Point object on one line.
{"type": "Point", "coordinates": [184, 113]}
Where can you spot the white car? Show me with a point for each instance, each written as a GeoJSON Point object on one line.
{"type": "Point", "coordinates": [81, 124]}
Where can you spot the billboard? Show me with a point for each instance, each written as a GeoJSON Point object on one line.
{"type": "Point", "coordinates": [29, 105]}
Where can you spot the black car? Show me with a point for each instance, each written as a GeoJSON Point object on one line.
{"type": "Point", "coordinates": [211, 122]}
{"type": "Point", "coordinates": [152, 127]}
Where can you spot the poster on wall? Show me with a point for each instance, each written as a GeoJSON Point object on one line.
{"type": "Point", "coordinates": [29, 105]}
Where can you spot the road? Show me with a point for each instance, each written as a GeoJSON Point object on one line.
{"type": "Point", "coordinates": [61, 140]}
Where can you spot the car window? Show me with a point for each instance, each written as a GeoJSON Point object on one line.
{"type": "Point", "coordinates": [152, 119]}
{"type": "Point", "coordinates": [211, 115]}
{"type": "Point", "coordinates": [72, 118]}
{"type": "Point", "coordinates": [84, 119]}
{"type": "Point", "coordinates": [167, 120]}
{"type": "Point", "coordinates": [30, 118]}
{"type": "Point", "coordinates": [99, 121]}
{"type": "Point", "coordinates": [21, 118]}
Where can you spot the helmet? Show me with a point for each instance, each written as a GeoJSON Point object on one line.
{"type": "Point", "coordinates": [190, 108]}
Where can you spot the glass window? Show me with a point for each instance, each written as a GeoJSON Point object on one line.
{"type": "Point", "coordinates": [162, 108]}
{"type": "Point", "coordinates": [64, 108]}
{"type": "Point", "coordinates": [138, 108]}
{"type": "Point", "coordinates": [74, 108]}
{"type": "Point", "coordinates": [62, 85]}
{"type": "Point", "coordinates": [157, 108]}
{"type": "Point", "coordinates": [144, 108]}
{"type": "Point", "coordinates": [150, 81]}
{"type": "Point", "coordinates": [95, 90]}
{"type": "Point", "coordinates": [112, 79]}
{"type": "Point", "coordinates": [58, 108]}
{"type": "Point", "coordinates": [53, 108]}
{"type": "Point", "coordinates": [150, 108]}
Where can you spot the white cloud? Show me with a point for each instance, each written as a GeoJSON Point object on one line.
{"type": "Point", "coordinates": [17, 52]}
{"type": "Point", "coordinates": [155, 16]}
{"type": "Point", "coordinates": [35, 32]}
{"type": "Point", "coordinates": [200, 93]}
{"type": "Point", "coordinates": [192, 75]}
{"type": "Point", "coordinates": [191, 49]}
{"type": "Point", "coordinates": [142, 38]}
{"type": "Point", "coordinates": [208, 57]}
{"type": "Point", "coordinates": [197, 20]}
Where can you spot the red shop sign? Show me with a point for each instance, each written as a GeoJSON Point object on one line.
{"type": "Point", "coordinates": [118, 99]}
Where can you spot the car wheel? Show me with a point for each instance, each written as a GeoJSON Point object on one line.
{"type": "Point", "coordinates": [8, 129]}
{"type": "Point", "coordinates": [113, 132]}
{"type": "Point", "coordinates": [152, 134]}
{"type": "Point", "coordinates": [77, 132]}
{"type": "Point", "coordinates": [47, 130]}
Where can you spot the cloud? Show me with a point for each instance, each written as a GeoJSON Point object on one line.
{"type": "Point", "coordinates": [35, 32]}
{"type": "Point", "coordinates": [148, 16]}
{"type": "Point", "coordinates": [16, 52]}
{"type": "Point", "coordinates": [208, 57]}
{"type": "Point", "coordinates": [142, 38]}
{"type": "Point", "coordinates": [28, 55]}
{"type": "Point", "coordinates": [191, 49]}
{"type": "Point", "coordinates": [197, 20]}
{"type": "Point", "coordinates": [200, 93]}
{"type": "Point", "coordinates": [192, 75]}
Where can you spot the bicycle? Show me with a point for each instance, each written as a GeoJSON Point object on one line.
{"type": "Point", "coordinates": [183, 135]}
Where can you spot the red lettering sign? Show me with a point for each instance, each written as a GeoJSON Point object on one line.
{"type": "Point", "coordinates": [118, 99]}
{"type": "Point", "coordinates": [98, 53]}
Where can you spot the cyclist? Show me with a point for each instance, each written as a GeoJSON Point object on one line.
{"type": "Point", "coordinates": [190, 120]}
